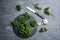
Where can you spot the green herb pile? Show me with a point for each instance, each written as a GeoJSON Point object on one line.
{"type": "Point", "coordinates": [26, 16]}
{"type": "Point", "coordinates": [18, 7]}
{"type": "Point", "coordinates": [21, 20]}
{"type": "Point", "coordinates": [46, 11]}
{"type": "Point", "coordinates": [37, 7]}
{"type": "Point", "coordinates": [24, 28]}
{"type": "Point", "coordinates": [15, 23]}
{"type": "Point", "coordinates": [33, 23]}
{"type": "Point", "coordinates": [43, 29]}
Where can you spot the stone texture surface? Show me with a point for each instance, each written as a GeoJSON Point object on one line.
{"type": "Point", "coordinates": [8, 13]}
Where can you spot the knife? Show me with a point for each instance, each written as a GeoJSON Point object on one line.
{"type": "Point", "coordinates": [44, 20]}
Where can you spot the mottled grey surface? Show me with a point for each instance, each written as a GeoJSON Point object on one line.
{"type": "Point", "coordinates": [9, 13]}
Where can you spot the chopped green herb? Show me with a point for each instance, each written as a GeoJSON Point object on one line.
{"type": "Point", "coordinates": [37, 7]}
{"type": "Point", "coordinates": [26, 15]}
{"type": "Point", "coordinates": [18, 7]}
{"type": "Point", "coordinates": [33, 23]}
{"type": "Point", "coordinates": [24, 30]}
{"type": "Point", "coordinates": [21, 20]}
{"type": "Point", "coordinates": [46, 11]}
{"type": "Point", "coordinates": [15, 23]}
{"type": "Point", "coordinates": [43, 30]}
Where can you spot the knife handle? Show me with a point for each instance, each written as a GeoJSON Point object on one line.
{"type": "Point", "coordinates": [41, 16]}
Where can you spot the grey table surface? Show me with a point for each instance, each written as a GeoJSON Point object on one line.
{"type": "Point", "coordinates": [8, 13]}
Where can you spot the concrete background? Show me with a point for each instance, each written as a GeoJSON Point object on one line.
{"type": "Point", "coordinates": [8, 13]}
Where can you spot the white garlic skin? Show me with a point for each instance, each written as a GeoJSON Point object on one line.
{"type": "Point", "coordinates": [44, 21]}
